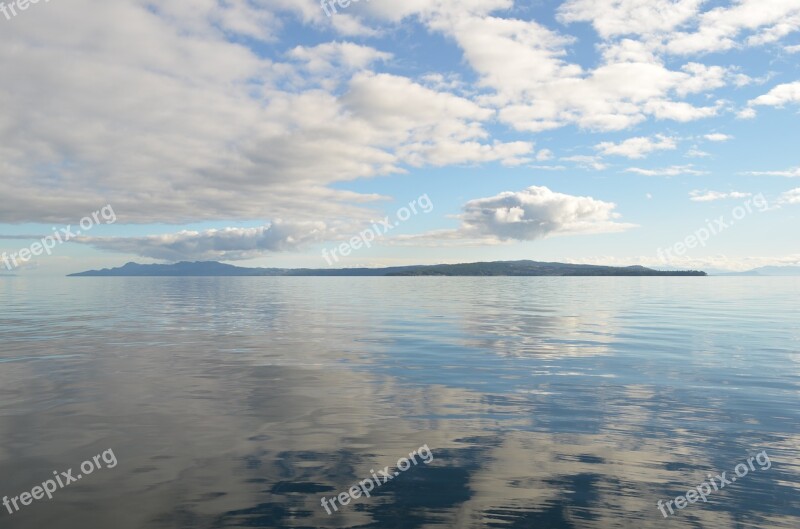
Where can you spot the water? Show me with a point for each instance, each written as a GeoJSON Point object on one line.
{"type": "Point", "coordinates": [546, 402]}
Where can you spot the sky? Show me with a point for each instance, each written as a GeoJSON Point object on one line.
{"type": "Point", "coordinates": [293, 133]}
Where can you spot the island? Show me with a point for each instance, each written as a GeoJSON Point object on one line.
{"type": "Point", "coordinates": [496, 268]}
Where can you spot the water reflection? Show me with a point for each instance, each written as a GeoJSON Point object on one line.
{"type": "Point", "coordinates": [547, 402]}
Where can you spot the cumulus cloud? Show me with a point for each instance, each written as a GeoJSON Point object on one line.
{"type": "Point", "coordinates": [746, 113]}
{"type": "Point", "coordinates": [337, 57]}
{"type": "Point", "coordinates": [779, 96]}
{"type": "Point", "coordinates": [527, 215]}
{"type": "Point", "coordinates": [536, 88]}
{"type": "Point", "coordinates": [682, 27]}
{"type": "Point", "coordinates": [673, 170]}
{"type": "Point", "coordinates": [745, 22]}
{"type": "Point", "coordinates": [711, 196]}
{"type": "Point", "coordinates": [538, 212]}
{"type": "Point", "coordinates": [637, 147]}
{"type": "Point", "coordinates": [791, 197]}
{"type": "Point", "coordinates": [613, 18]}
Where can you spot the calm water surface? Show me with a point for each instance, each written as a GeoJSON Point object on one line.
{"type": "Point", "coordinates": [547, 402]}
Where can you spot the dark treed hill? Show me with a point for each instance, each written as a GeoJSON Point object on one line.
{"type": "Point", "coordinates": [498, 268]}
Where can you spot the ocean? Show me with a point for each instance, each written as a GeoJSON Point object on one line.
{"type": "Point", "coordinates": [544, 402]}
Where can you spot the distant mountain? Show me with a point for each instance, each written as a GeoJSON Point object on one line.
{"type": "Point", "coordinates": [499, 268]}
{"type": "Point", "coordinates": [767, 271]}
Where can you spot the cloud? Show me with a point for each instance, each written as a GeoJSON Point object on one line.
{"type": "Point", "coordinates": [686, 262]}
{"type": "Point", "coordinates": [779, 96]}
{"type": "Point", "coordinates": [172, 118]}
{"type": "Point", "coordinates": [746, 22]}
{"type": "Point", "coordinates": [613, 18]}
{"type": "Point", "coordinates": [718, 137]}
{"type": "Point", "coordinates": [789, 173]}
{"type": "Point", "coordinates": [531, 214]}
{"type": "Point", "coordinates": [791, 197]}
{"type": "Point", "coordinates": [202, 111]}
{"type": "Point", "coordinates": [224, 245]}
{"type": "Point", "coordinates": [352, 26]}
{"type": "Point", "coordinates": [334, 57]}
{"type": "Point", "coordinates": [697, 153]}
{"type": "Point", "coordinates": [746, 113]}
{"type": "Point", "coordinates": [674, 170]}
{"type": "Point", "coordinates": [538, 212]}
{"type": "Point", "coordinates": [680, 27]}
{"type": "Point", "coordinates": [637, 147]}
{"type": "Point", "coordinates": [792, 49]}
{"type": "Point", "coordinates": [443, 153]}
{"type": "Point", "coordinates": [549, 167]}
{"type": "Point", "coordinates": [535, 87]}
{"type": "Point", "coordinates": [21, 237]}
{"type": "Point", "coordinates": [711, 196]}
{"type": "Point", "coordinates": [527, 215]}
{"type": "Point", "coordinates": [587, 162]}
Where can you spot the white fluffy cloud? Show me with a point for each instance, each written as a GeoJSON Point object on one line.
{"type": "Point", "coordinates": [779, 96]}
{"type": "Point", "coordinates": [746, 113]}
{"type": "Point", "coordinates": [613, 18]}
{"type": "Point", "coordinates": [536, 88]}
{"type": "Point", "coordinates": [538, 212]}
{"type": "Point", "coordinates": [791, 197]}
{"type": "Point", "coordinates": [682, 27]}
{"type": "Point", "coordinates": [637, 147]}
{"type": "Point", "coordinates": [744, 22]}
{"type": "Point", "coordinates": [531, 214]}
{"type": "Point", "coordinates": [337, 57]}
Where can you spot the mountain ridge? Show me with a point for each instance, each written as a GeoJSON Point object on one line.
{"type": "Point", "coordinates": [493, 268]}
{"type": "Point", "coordinates": [766, 271]}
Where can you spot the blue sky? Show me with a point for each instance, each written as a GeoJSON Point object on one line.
{"type": "Point", "coordinates": [263, 132]}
